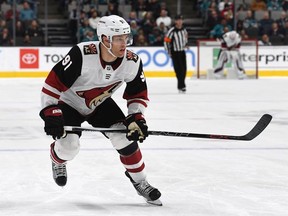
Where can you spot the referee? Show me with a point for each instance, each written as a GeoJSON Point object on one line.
{"type": "Point", "coordinates": [175, 43]}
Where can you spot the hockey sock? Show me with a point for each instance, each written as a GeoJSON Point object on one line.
{"type": "Point", "coordinates": [53, 155]}
{"type": "Point", "coordinates": [135, 165]}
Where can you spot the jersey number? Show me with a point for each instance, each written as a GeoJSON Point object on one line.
{"type": "Point", "coordinates": [66, 62]}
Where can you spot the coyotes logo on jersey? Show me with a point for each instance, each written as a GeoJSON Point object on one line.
{"type": "Point", "coordinates": [90, 49]}
{"type": "Point", "coordinates": [97, 95]}
{"type": "Point", "coordinates": [131, 56]}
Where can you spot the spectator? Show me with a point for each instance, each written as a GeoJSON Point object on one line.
{"type": "Point", "coordinates": [85, 28]}
{"type": "Point", "coordinates": [286, 30]}
{"type": "Point", "coordinates": [264, 41]}
{"type": "Point", "coordinates": [249, 21]}
{"type": "Point", "coordinates": [163, 29]}
{"type": "Point", "coordinates": [239, 26]}
{"type": "Point", "coordinates": [27, 41]}
{"type": "Point", "coordinates": [148, 23]}
{"type": "Point", "coordinates": [213, 19]}
{"type": "Point", "coordinates": [139, 6]}
{"type": "Point", "coordinates": [83, 16]}
{"type": "Point", "coordinates": [34, 30]}
{"type": "Point", "coordinates": [154, 7]}
{"type": "Point", "coordinates": [9, 16]}
{"type": "Point", "coordinates": [90, 36]}
{"type": "Point", "coordinates": [164, 18]}
{"type": "Point", "coordinates": [285, 5]}
{"type": "Point", "coordinates": [227, 11]}
{"type": "Point", "coordinates": [134, 30]}
{"type": "Point", "coordinates": [276, 31]}
{"type": "Point", "coordinates": [274, 5]}
{"type": "Point", "coordinates": [229, 18]}
{"type": "Point", "coordinates": [133, 17]}
{"type": "Point", "coordinates": [203, 6]}
{"type": "Point", "coordinates": [93, 20]}
{"type": "Point", "coordinates": [163, 5]}
{"type": "Point", "coordinates": [20, 30]}
{"type": "Point", "coordinates": [5, 38]}
{"type": "Point", "coordinates": [141, 40]}
{"type": "Point", "coordinates": [286, 33]}
{"type": "Point", "coordinates": [153, 36]}
{"type": "Point", "coordinates": [282, 20]}
{"type": "Point", "coordinates": [3, 25]}
{"type": "Point", "coordinates": [265, 24]}
{"type": "Point", "coordinates": [26, 14]}
{"type": "Point", "coordinates": [211, 7]}
{"type": "Point", "coordinates": [218, 30]}
{"type": "Point", "coordinates": [222, 4]}
{"type": "Point", "coordinates": [158, 41]}
{"type": "Point", "coordinates": [243, 34]}
{"type": "Point", "coordinates": [258, 5]}
{"type": "Point", "coordinates": [112, 10]}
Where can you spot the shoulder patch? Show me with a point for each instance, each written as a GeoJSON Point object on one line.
{"type": "Point", "coordinates": [131, 56]}
{"type": "Point", "coordinates": [90, 49]}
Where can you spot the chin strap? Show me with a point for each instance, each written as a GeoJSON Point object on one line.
{"type": "Point", "coordinates": [109, 49]}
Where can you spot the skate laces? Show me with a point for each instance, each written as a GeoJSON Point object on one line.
{"type": "Point", "coordinates": [60, 169]}
{"type": "Point", "coordinates": [144, 188]}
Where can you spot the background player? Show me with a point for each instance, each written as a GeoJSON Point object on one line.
{"type": "Point", "coordinates": [79, 88]}
{"type": "Point", "coordinates": [230, 45]}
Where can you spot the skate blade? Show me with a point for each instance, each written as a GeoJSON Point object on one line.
{"type": "Point", "coordinates": [155, 202]}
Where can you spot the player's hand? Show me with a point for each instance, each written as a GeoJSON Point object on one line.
{"type": "Point", "coordinates": [54, 122]}
{"type": "Point", "coordinates": [137, 128]}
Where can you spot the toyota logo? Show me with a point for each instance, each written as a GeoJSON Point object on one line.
{"type": "Point", "coordinates": [29, 58]}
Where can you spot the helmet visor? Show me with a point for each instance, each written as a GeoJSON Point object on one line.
{"type": "Point", "coordinates": [126, 39]}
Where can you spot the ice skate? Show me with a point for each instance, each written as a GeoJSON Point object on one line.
{"type": "Point", "coordinates": [182, 90]}
{"type": "Point", "coordinates": [242, 75]}
{"type": "Point", "coordinates": [144, 189]}
{"type": "Point", "coordinates": [219, 75]}
{"type": "Point", "coordinates": [59, 173]}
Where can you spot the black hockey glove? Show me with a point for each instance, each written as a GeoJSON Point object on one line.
{"type": "Point", "coordinates": [137, 128]}
{"type": "Point", "coordinates": [54, 122]}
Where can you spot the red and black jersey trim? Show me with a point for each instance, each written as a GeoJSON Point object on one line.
{"type": "Point", "coordinates": [69, 68]}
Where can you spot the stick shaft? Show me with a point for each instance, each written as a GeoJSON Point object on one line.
{"type": "Point", "coordinates": [254, 132]}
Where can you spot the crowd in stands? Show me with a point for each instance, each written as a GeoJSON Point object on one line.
{"type": "Point", "coordinates": [27, 29]}
{"type": "Point", "coordinates": [149, 20]}
{"type": "Point", "coordinates": [263, 20]}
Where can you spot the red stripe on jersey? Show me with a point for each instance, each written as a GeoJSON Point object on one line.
{"type": "Point", "coordinates": [46, 91]}
{"type": "Point", "coordinates": [54, 81]}
{"type": "Point", "coordinates": [137, 101]}
{"type": "Point", "coordinates": [137, 169]}
{"type": "Point", "coordinates": [132, 159]}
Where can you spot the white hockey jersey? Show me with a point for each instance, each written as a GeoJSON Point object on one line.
{"type": "Point", "coordinates": [231, 40]}
{"type": "Point", "coordinates": [83, 80]}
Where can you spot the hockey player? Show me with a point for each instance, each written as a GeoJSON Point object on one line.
{"type": "Point", "coordinates": [230, 45]}
{"type": "Point", "coordinates": [79, 88]}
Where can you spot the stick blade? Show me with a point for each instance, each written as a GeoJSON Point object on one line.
{"type": "Point", "coordinates": [258, 128]}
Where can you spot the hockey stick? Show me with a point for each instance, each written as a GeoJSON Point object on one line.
{"type": "Point", "coordinates": [254, 132]}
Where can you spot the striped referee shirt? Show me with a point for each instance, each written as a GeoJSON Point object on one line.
{"type": "Point", "coordinates": [175, 40]}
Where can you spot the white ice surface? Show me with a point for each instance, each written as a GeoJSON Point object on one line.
{"type": "Point", "coordinates": [199, 177]}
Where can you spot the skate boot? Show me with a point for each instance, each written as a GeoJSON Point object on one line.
{"type": "Point", "coordinates": [219, 75]}
{"type": "Point", "coordinates": [59, 173]}
{"type": "Point", "coordinates": [242, 75]}
{"type": "Point", "coordinates": [144, 189]}
{"type": "Point", "coordinates": [182, 90]}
